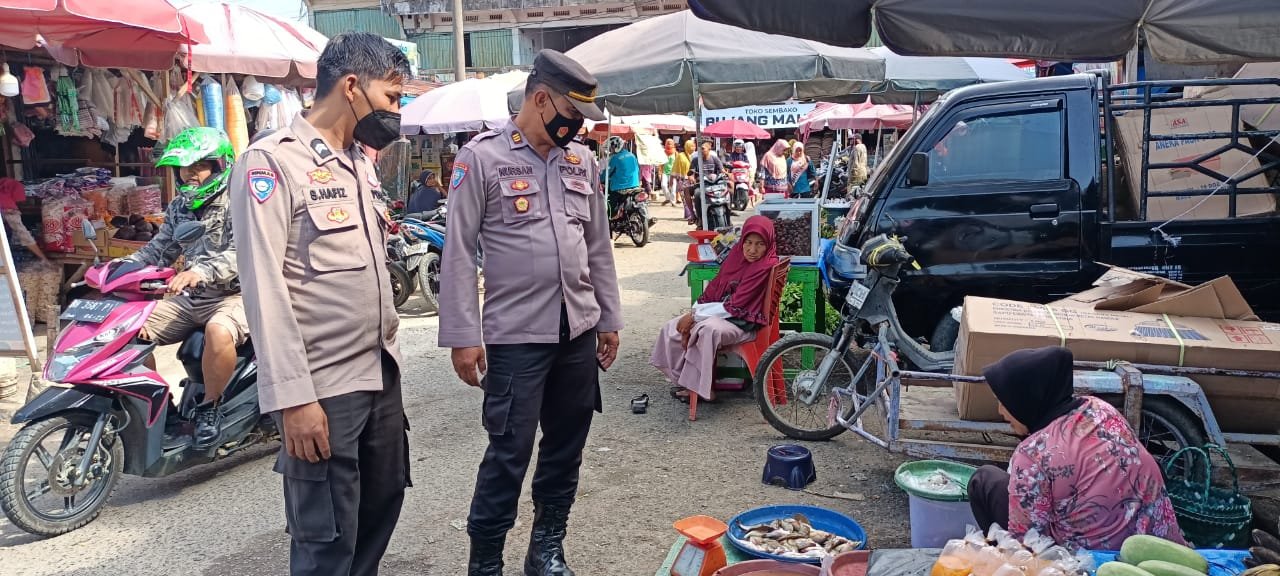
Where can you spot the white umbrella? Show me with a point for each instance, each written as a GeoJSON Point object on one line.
{"type": "Point", "coordinates": [245, 41]}
{"type": "Point", "coordinates": [471, 105]}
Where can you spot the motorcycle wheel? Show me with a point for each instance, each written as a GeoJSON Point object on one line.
{"type": "Point", "coordinates": [429, 280]}
{"type": "Point", "coordinates": [789, 359]}
{"type": "Point", "coordinates": [739, 202]}
{"type": "Point", "coordinates": [718, 218]}
{"type": "Point", "coordinates": [638, 229]}
{"type": "Point", "coordinates": [36, 463]}
{"type": "Point", "coordinates": [401, 284]}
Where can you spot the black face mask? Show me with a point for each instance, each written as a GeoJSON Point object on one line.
{"type": "Point", "coordinates": [561, 129]}
{"type": "Point", "coordinates": [377, 129]}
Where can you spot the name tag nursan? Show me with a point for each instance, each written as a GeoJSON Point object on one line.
{"type": "Point", "coordinates": [515, 171]}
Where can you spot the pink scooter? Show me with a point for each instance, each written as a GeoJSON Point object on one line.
{"type": "Point", "coordinates": [107, 413]}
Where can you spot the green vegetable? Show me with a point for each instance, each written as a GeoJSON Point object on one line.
{"type": "Point", "coordinates": [1121, 569]}
{"type": "Point", "coordinates": [1140, 548]}
{"type": "Point", "coordinates": [1162, 568]}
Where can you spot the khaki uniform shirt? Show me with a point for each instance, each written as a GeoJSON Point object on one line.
{"type": "Point", "coordinates": [546, 240]}
{"type": "Point", "coordinates": [311, 231]}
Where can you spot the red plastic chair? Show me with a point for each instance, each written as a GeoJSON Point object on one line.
{"type": "Point", "coordinates": [765, 337]}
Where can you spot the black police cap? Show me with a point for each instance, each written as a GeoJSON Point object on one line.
{"type": "Point", "coordinates": [567, 76]}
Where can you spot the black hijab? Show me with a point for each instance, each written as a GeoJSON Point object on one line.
{"type": "Point", "coordinates": [1034, 385]}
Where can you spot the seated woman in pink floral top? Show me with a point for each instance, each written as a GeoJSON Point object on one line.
{"type": "Point", "coordinates": [1080, 476]}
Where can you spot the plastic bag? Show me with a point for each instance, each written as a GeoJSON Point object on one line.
{"type": "Point", "coordinates": [215, 115]}
{"type": "Point", "coordinates": [956, 559]}
{"type": "Point", "coordinates": [34, 88]}
{"type": "Point", "coordinates": [236, 123]}
{"type": "Point", "coordinates": [179, 114]}
{"type": "Point", "coordinates": [145, 200]}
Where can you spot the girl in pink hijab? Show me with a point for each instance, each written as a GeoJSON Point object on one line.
{"type": "Point", "coordinates": [774, 166]}
{"type": "Point", "coordinates": [729, 312]}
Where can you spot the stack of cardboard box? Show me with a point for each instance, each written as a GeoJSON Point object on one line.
{"type": "Point", "coordinates": [1142, 319]}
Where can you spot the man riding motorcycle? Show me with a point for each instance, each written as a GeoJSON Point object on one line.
{"type": "Point", "coordinates": [202, 158]}
{"type": "Point", "coordinates": [623, 174]}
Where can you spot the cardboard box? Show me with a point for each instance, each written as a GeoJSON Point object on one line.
{"type": "Point", "coordinates": [1124, 290]}
{"type": "Point", "coordinates": [1170, 121]}
{"type": "Point", "coordinates": [990, 329]}
{"type": "Point", "coordinates": [1259, 116]}
{"type": "Point", "coordinates": [121, 248]}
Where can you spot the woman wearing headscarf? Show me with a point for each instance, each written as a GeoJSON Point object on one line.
{"type": "Point", "coordinates": [800, 171]}
{"type": "Point", "coordinates": [774, 166]}
{"type": "Point", "coordinates": [730, 311]}
{"type": "Point", "coordinates": [11, 193]}
{"type": "Point", "coordinates": [427, 195]}
{"type": "Point", "coordinates": [680, 171]}
{"type": "Point", "coordinates": [668, 184]}
{"type": "Point", "coordinates": [1080, 476]}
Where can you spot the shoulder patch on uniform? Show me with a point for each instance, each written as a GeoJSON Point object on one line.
{"type": "Point", "coordinates": [459, 174]}
{"type": "Point", "coordinates": [321, 149]}
{"type": "Point", "coordinates": [262, 183]}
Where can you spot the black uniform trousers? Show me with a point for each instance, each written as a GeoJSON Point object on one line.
{"type": "Point", "coordinates": [556, 385]}
{"type": "Point", "coordinates": [341, 511]}
{"type": "Point", "coordinates": [989, 497]}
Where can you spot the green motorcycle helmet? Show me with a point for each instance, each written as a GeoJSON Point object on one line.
{"type": "Point", "coordinates": [193, 145]}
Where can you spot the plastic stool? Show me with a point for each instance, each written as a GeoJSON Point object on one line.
{"type": "Point", "coordinates": [789, 466]}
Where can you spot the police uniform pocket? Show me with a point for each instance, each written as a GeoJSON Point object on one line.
{"type": "Point", "coordinates": [338, 238]}
{"type": "Point", "coordinates": [308, 499]}
{"type": "Point", "coordinates": [521, 201]}
{"type": "Point", "coordinates": [497, 402]}
{"type": "Point", "coordinates": [577, 198]}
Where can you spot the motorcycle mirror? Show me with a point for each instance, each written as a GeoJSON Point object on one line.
{"type": "Point", "coordinates": [189, 232]}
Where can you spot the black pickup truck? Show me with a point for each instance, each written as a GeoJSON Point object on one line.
{"type": "Point", "coordinates": [1017, 190]}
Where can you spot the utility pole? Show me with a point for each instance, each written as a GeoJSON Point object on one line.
{"type": "Point", "coordinates": [459, 44]}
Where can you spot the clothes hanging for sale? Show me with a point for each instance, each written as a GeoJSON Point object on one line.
{"type": "Point", "coordinates": [68, 104]}
{"type": "Point", "coordinates": [34, 88]}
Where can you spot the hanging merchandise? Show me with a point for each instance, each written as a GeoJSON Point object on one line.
{"type": "Point", "coordinates": [251, 89]}
{"type": "Point", "coordinates": [102, 95]}
{"type": "Point", "coordinates": [34, 88]}
{"type": "Point", "coordinates": [179, 114]}
{"type": "Point", "coordinates": [128, 104]}
{"type": "Point", "coordinates": [308, 97]}
{"type": "Point", "coordinates": [271, 94]}
{"type": "Point", "coordinates": [8, 82]}
{"type": "Point", "coordinates": [237, 125]}
{"type": "Point", "coordinates": [214, 107]}
{"type": "Point", "coordinates": [199, 108]}
{"type": "Point", "coordinates": [68, 104]}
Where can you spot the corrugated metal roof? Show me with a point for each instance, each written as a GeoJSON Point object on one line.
{"type": "Point", "coordinates": [334, 22]}
{"type": "Point", "coordinates": [490, 48]}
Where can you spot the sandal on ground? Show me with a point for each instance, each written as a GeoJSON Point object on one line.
{"type": "Point", "coordinates": [640, 404]}
{"type": "Point", "coordinates": [680, 393]}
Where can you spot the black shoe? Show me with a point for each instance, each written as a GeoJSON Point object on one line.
{"type": "Point", "coordinates": [208, 425]}
{"type": "Point", "coordinates": [486, 557]}
{"type": "Point", "coordinates": [546, 543]}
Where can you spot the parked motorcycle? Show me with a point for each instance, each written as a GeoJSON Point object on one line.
{"type": "Point", "coordinates": [402, 283]}
{"type": "Point", "coordinates": [424, 232]}
{"type": "Point", "coordinates": [741, 172]}
{"type": "Point", "coordinates": [633, 220]}
{"type": "Point", "coordinates": [110, 414]}
{"type": "Point", "coordinates": [716, 191]}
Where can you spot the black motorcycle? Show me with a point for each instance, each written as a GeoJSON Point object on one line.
{"type": "Point", "coordinates": [633, 219]}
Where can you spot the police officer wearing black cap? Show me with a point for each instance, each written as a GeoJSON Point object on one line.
{"type": "Point", "coordinates": [526, 192]}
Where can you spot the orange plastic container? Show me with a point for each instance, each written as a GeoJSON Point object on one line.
{"type": "Point", "coordinates": [701, 530]}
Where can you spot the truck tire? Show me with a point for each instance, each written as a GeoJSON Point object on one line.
{"type": "Point", "coordinates": [945, 334]}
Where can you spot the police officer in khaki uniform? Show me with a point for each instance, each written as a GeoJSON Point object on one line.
{"type": "Point", "coordinates": [525, 193]}
{"type": "Point", "coordinates": [311, 227]}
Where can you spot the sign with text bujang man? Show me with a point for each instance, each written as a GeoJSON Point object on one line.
{"type": "Point", "coordinates": [768, 116]}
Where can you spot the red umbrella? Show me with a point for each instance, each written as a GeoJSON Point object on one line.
{"type": "Point", "coordinates": [143, 34]}
{"type": "Point", "coordinates": [735, 129]}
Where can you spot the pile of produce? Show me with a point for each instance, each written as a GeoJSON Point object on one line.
{"type": "Point", "coordinates": [794, 232]}
{"type": "Point", "coordinates": [1151, 556]}
{"type": "Point", "coordinates": [794, 537]}
{"type": "Point", "coordinates": [134, 228]}
{"type": "Point", "coordinates": [999, 553]}
{"type": "Point", "coordinates": [1264, 555]}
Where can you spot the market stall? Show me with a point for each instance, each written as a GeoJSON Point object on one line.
{"type": "Point", "coordinates": [81, 138]}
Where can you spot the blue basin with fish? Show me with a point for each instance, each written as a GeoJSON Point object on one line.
{"type": "Point", "coordinates": [820, 518]}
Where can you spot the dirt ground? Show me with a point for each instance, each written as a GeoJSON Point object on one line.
{"type": "Point", "coordinates": [640, 472]}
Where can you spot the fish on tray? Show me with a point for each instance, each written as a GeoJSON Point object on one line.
{"type": "Point", "coordinates": [794, 537]}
